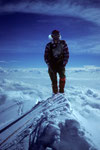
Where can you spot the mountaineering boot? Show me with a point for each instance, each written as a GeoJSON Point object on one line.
{"type": "Point", "coordinates": [55, 89]}
{"type": "Point", "coordinates": [61, 85]}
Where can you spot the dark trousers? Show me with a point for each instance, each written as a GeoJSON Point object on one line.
{"type": "Point", "coordinates": [53, 77]}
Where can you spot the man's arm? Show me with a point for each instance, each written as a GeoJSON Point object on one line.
{"type": "Point", "coordinates": [65, 53]}
{"type": "Point", "coordinates": [47, 54]}
{"type": "Point", "coordinates": [47, 57]}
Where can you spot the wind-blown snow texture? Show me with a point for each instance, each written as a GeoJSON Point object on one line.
{"type": "Point", "coordinates": [54, 126]}
{"type": "Point", "coordinates": [21, 89]}
{"type": "Point", "coordinates": [59, 128]}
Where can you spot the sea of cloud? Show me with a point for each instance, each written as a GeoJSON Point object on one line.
{"type": "Point", "coordinates": [34, 83]}
{"type": "Point", "coordinates": [21, 89]}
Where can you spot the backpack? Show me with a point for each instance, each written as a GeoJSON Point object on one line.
{"type": "Point", "coordinates": [57, 51]}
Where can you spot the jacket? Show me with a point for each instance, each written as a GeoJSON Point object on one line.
{"type": "Point", "coordinates": [56, 54]}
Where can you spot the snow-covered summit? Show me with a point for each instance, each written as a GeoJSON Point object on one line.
{"type": "Point", "coordinates": [58, 128]}
{"type": "Point", "coordinates": [53, 126]}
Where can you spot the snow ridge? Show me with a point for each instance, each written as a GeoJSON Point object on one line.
{"type": "Point", "coordinates": [54, 127]}
{"type": "Point", "coordinates": [59, 128]}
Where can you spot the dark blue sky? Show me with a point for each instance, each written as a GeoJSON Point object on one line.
{"type": "Point", "coordinates": [26, 24]}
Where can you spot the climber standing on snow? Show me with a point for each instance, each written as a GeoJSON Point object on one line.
{"type": "Point", "coordinates": [56, 57]}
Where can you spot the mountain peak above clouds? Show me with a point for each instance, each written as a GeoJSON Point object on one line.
{"type": "Point", "coordinates": [55, 127]}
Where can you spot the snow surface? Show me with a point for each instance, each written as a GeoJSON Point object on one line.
{"type": "Point", "coordinates": [21, 89]}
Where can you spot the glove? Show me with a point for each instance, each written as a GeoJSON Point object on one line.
{"type": "Point", "coordinates": [64, 63]}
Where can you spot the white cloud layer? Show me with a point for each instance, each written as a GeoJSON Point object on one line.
{"type": "Point", "coordinates": [61, 8]}
{"type": "Point", "coordinates": [36, 72]}
{"type": "Point", "coordinates": [90, 45]}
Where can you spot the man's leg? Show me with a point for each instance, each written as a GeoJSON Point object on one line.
{"type": "Point", "coordinates": [53, 77]}
{"type": "Point", "coordinates": [62, 80]}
